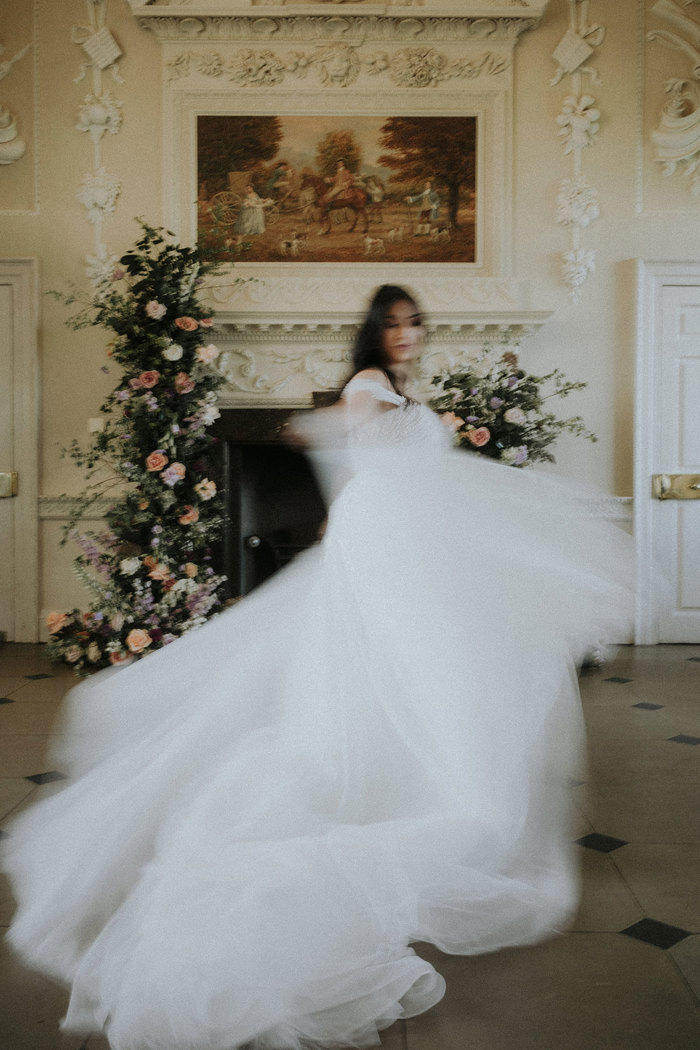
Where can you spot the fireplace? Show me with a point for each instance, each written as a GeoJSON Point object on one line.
{"type": "Point", "coordinates": [273, 506]}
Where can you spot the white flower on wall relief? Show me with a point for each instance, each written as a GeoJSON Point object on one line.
{"type": "Point", "coordinates": [98, 194]}
{"type": "Point", "coordinates": [100, 115]}
{"type": "Point", "coordinates": [577, 202]}
{"type": "Point", "coordinates": [578, 122]}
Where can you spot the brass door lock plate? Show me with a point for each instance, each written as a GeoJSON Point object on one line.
{"type": "Point", "coordinates": [675, 486]}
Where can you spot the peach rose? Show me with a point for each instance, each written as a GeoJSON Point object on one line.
{"type": "Point", "coordinates": [73, 654]}
{"type": "Point", "coordinates": [156, 461]}
{"type": "Point", "coordinates": [190, 569]}
{"type": "Point", "coordinates": [56, 621]}
{"type": "Point", "coordinates": [207, 354]}
{"type": "Point", "coordinates": [149, 379]}
{"type": "Point", "coordinates": [159, 572]}
{"type": "Point", "coordinates": [452, 421]}
{"type": "Point", "coordinates": [150, 562]}
{"type": "Point", "coordinates": [183, 383]}
{"type": "Point", "coordinates": [137, 640]}
{"type": "Point", "coordinates": [187, 324]}
{"type": "Point", "coordinates": [119, 658]}
{"type": "Point", "coordinates": [144, 504]}
{"type": "Point", "coordinates": [205, 489]}
{"type": "Point", "coordinates": [190, 516]}
{"type": "Point", "coordinates": [479, 437]}
{"type": "Point", "coordinates": [174, 473]}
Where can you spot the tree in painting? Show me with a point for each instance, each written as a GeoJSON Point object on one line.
{"type": "Point", "coordinates": [228, 143]}
{"type": "Point", "coordinates": [337, 145]}
{"type": "Point", "coordinates": [442, 149]}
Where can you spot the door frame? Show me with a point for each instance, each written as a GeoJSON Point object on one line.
{"type": "Point", "coordinates": [650, 278]}
{"type": "Point", "coordinates": [22, 275]}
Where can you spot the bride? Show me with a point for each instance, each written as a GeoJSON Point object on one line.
{"type": "Point", "coordinates": [369, 751]}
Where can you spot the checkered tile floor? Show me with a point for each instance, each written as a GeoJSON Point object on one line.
{"type": "Point", "coordinates": [626, 977]}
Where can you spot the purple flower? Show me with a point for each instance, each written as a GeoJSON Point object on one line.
{"type": "Point", "coordinates": [520, 456]}
{"type": "Point", "coordinates": [474, 391]}
{"type": "Point", "coordinates": [496, 402]}
{"type": "Point", "coordinates": [157, 529]}
{"type": "Point", "coordinates": [155, 542]}
{"type": "Point", "coordinates": [512, 381]}
{"type": "Point", "coordinates": [472, 419]}
{"type": "Point", "coordinates": [123, 395]}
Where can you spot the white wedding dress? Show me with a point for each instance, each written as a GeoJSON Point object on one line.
{"type": "Point", "coordinates": [370, 750]}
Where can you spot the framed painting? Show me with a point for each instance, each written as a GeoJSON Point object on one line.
{"type": "Point", "coordinates": [327, 188]}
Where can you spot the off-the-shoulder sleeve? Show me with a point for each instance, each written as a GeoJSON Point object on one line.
{"type": "Point", "coordinates": [372, 386]}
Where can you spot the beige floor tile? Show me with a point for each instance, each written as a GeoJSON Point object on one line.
{"type": "Point", "coordinates": [579, 992]}
{"type": "Point", "coordinates": [43, 690]}
{"type": "Point", "coordinates": [31, 1008]}
{"type": "Point", "coordinates": [607, 904]}
{"type": "Point", "coordinates": [686, 955]}
{"type": "Point", "coordinates": [394, 1037]}
{"type": "Point", "coordinates": [665, 879]}
{"type": "Point", "coordinates": [659, 809]}
{"type": "Point", "coordinates": [24, 659]}
{"type": "Point", "coordinates": [18, 719]}
{"type": "Point", "coordinates": [23, 756]}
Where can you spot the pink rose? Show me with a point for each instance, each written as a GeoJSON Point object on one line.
{"type": "Point", "coordinates": [514, 415]}
{"type": "Point", "coordinates": [149, 379]}
{"type": "Point", "coordinates": [135, 384]}
{"type": "Point", "coordinates": [207, 354]}
{"type": "Point", "coordinates": [137, 640]}
{"type": "Point", "coordinates": [56, 622]}
{"type": "Point", "coordinates": [187, 324]}
{"type": "Point", "coordinates": [190, 516]}
{"type": "Point", "coordinates": [479, 437]}
{"type": "Point", "coordinates": [174, 473]}
{"type": "Point", "coordinates": [183, 383]}
{"type": "Point", "coordinates": [156, 461]}
{"type": "Point", "coordinates": [155, 310]}
{"type": "Point", "coordinates": [207, 322]}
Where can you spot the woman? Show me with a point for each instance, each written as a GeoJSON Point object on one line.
{"type": "Point", "coordinates": [371, 750]}
{"type": "Point", "coordinates": [251, 218]}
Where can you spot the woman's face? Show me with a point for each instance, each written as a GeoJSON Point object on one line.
{"type": "Point", "coordinates": [402, 333]}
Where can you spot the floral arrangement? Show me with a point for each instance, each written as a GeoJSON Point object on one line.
{"type": "Point", "coordinates": [497, 409]}
{"type": "Point", "coordinates": [149, 570]}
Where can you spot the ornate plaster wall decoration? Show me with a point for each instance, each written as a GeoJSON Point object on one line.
{"type": "Point", "coordinates": [12, 145]}
{"type": "Point", "coordinates": [676, 140]}
{"type": "Point", "coordinates": [578, 122]}
{"type": "Point", "coordinates": [99, 114]}
{"type": "Point", "coordinates": [336, 66]}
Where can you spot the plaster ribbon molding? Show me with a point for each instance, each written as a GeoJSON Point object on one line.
{"type": "Point", "coordinates": [578, 122]}
{"type": "Point", "coordinates": [676, 140]}
{"type": "Point", "coordinates": [99, 114]}
{"type": "Point", "coordinates": [12, 145]}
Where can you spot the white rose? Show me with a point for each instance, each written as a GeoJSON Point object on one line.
{"type": "Point", "coordinates": [173, 352]}
{"type": "Point", "coordinates": [508, 456]}
{"type": "Point", "coordinates": [128, 566]}
{"type": "Point", "coordinates": [93, 652]}
{"type": "Point", "coordinates": [209, 414]}
{"type": "Point", "coordinates": [514, 415]}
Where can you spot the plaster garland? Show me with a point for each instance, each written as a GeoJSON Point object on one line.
{"type": "Point", "coordinates": [12, 145]}
{"type": "Point", "coordinates": [577, 201]}
{"type": "Point", "coordinates": [676, 140]}
{"type": "Point", "coordinates": [336, 65]}
{"type": "Point", "coordinates": [99, 114]}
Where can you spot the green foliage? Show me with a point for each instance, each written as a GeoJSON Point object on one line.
{"type": "Point", "coordinates": [500, 411]}
{"type": "Point", "coordinates": [149, 571]}
{"type": "Point", "coordinates": [335, 146]}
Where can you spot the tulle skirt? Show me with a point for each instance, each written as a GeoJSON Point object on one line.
{"type": "Point", "coordinates": [372, 749]}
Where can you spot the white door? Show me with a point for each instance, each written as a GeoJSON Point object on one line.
{"type": "Point", "coordinates": [19, 553]}
{"type": "Point", "coordinates": [667, 486]}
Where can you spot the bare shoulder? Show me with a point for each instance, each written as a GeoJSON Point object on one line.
{"type": "Point", "coordinates": [374, 375]}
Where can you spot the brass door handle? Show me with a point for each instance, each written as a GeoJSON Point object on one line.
{"type": "Point", "coordinates": [675, 486]}
{"type": "Point", "coordinates": [8, 484]}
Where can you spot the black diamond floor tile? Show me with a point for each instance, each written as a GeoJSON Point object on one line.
{"type": "Point", "coordinates": [648, 707]}
{"type": "Point", "coordinates": [660, 934]}
{"type": "Point", "coordinates": [694, 659]}
{"type": "Point", "coordinates": [36, 677]}
{"type": "Point", "coordinates": [616, 678]}
{"type": "Point", "coordinates": [3, 835]}
{"type": "Point", "coordinates": [683, 738]}
{"type": "Point", "coordinates": [46, 778]}
{"type": "Point", "coordinates": [601, 843]}
{"type": "Point", "coordinates": [6, 700]}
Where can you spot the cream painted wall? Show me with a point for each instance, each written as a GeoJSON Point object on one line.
{"type": "Point", "coordinates": [591, 339]}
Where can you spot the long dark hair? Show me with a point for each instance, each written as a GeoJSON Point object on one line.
{"type": "Point", "coordinates": [368, 351]}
